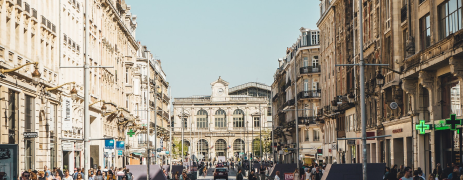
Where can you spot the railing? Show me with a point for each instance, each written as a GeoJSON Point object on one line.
{"type": "Point", "coordinates": [34, 13]}
{"type": "Point", "coordinates": [239, 128]}
{"type": "Point", "coordinates": [403, 13]}
{"type": "Point", "coordinates": [310, 94]}
{"type": "Point", "coordinates": [309, 69]}
{"type": "Point", "coordinates": [289, 103]}
{"type": "Point", "coordinates": [288, 84]}
{"type": "Point", "coordinates": [307, 120]}
{"type": "Point", "coordinates": [27, 7]}
{"type": "Point", "coordinates": [166, 98]}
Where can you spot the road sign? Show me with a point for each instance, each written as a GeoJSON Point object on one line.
{"type": "Point", "coordinates": [30, 134]}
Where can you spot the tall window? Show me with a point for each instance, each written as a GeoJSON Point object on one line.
{"type": "Point", "coordinates": [388, 14]}
{"type": "Point", "coordinates": [307, 135]}
{"type": "Point", "coordinates": [238, 145]}
{"type": "Point", "coordinates": [256, 121]}
{"type": "Point", "coordinates": [185, 122]}
{"type": "Point", "coordinates": [201, 120]}
{"type": "Point", "coordinates": [315, 61]}
{"type": "Point", "coordinates": [13, 116]}
{"type": "Point", "coordinates": [238, 118]}
{"type": "Point", "coordinates": [29, 121]}
{"type": "Point", "coordinates": [316, 135]}
{"type": "Point", "coordinates": [449, 18]}
{"type": "Point", "coordinates": [220, 119]}
{"type": "Point", "coordinates": [127, 75]}
{"type": "Point", "coordinates": [315, 37]}
{"type": "Point", "coordinates": [306, 85]}
{"type": "Point", "coordinates": [306, 62]}
{"type": "Point", "coordinates": [425, 32]}
{"type": "Point", "coordinates": [53, 140]}
{"type": "Point", "coordinates": [304, 39]}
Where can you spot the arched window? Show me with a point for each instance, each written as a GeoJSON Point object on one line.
{"type": "Point", "coordinates": [238, 146]}
{"type": "Point", "coordinates": [238, 118]}
{"type": "Point", "coordinates": [220, 119]}
{"type": "Point", "coordinates": [221, 147]}
{"type": "Point", "coordinates": [201, 119]}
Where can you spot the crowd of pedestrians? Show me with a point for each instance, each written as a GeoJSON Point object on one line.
{"type": "Point", "coordinates": [450, 172]}
{"type": "Point", "coordinates": [93, 174]}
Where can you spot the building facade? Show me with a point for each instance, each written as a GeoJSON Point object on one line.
{"type": "Point", "coordinates": [50, 33]}
{"type": "Point", "coordinates": [298, 77]}
{"type": "Point", "coordinates": [222, 124]}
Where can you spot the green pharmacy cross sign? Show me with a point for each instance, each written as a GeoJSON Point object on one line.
{"type": "Point", "coordinates": [422, 127]}
{"type": "Point", "coordinates": [453, 122]}
{"type": "Point", "coordinates": [131, 133]}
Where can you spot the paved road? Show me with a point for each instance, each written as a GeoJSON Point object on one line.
{"type": "Point", "coordinates": [210, 172]}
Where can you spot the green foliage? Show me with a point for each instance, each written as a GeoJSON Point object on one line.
{"type": "Point", "coordinates": [177, 148]}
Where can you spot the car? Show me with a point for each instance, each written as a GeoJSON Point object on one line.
{"type": "Point", "coordinates": [225, 164]}
{"type": "Point", "coordinates": [219, 165]}
{"type": "Point", "coordinates": [220, 173]}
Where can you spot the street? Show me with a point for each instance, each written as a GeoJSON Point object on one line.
{"type": "Point", "coordinates": [210, 176]}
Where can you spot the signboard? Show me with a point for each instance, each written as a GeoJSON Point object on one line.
{"type": "Point", "coordinates": [109, 144]}
{"type": "Point", "coordinates": [158, 149]}
{"type": "Point", "coordinates": [161, 143]}
{"type": "Point", "coordinates": [289, 176]}
{"type": "Point", "coordinates": [67, 146]}
{"type": "Point", "coordinates": [119, 153]}
{"type": "Point", "coordinates": [397, 130]}
{"type": "Point", "coordinates": [120, 145]}
{"type": "Point", "coordinates": [30, 134]}
{"type": "Point", "coordinates": [66, 124]}
{"type": "Point", "coordinates": [370, 134]}
{"type": "Point", "coordinates": [351, 142]}
{"type": "Point", "coordinates": [220, 135]}
{"type": "Point", "coordinates": [333, 146]}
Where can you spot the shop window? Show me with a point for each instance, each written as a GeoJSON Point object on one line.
{"type": "Point", "coordinates": [450, 94]}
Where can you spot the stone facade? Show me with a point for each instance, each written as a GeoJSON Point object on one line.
{"type": "Point", "coordinates": [222, 124]}
{"type": "Point", "coordinates": [51, 33]}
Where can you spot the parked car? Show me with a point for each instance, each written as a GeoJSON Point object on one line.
{"type": "Point", "coordinates": [220, 173]}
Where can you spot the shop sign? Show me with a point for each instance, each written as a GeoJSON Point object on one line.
{"type": "Point", "coordinates": [351, 142]}
{"type": "Point", "coordinates": [67, 146]}
{"type": "Point", "coordinates": [119, 153]}
{"type": "Point", "coordinates": [30, 134]}
{"type": "Point", "coordinates": [289, 176]}
{"type": "Point", "coordinates": [397, 130]}
{"type": "Point", "coordinates": [109, 144]}
{"type": "Point", "coordinates": [79, 147]}
{"type": "Point", "coordinates": [120, 145]}
{"type": "Point", "coordinates": [66, 114]}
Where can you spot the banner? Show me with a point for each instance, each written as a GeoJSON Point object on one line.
{"type": "Point", "coordinates": [109, 144]}
{"type": "Point", "coordinates": [289, 176]}
{"type": "Point", "coordinates": [66, 124]}
{"type": "Point", "coordinates": [120, 145]}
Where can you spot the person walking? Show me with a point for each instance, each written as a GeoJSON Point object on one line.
{"type": "Point", "coordinates": [56, 175]}
{"type": "Point", "coordinates": [277, 175]}
{"type": "Point", "coordinates": [407, 174]}
{"type": "Point", "coordinates": [66, 175]}
{"type": "Point", "coordinates": [318, 174]}
{"type": "Point", "coordinates": [239, 176]}
{"type": "Point", "coordinates": [296, 175]}
{"type": "Point", "coordinates": [98, 176]}
{"type": "Point", "coordinates": [204, 171]}
{"type": "Point", "coordinates": [41, 176]}
{"type": "Point", "coordinates": [308, 174]}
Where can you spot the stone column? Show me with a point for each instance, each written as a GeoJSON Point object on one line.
{"type": "Point", "coordinates": [427, 80]}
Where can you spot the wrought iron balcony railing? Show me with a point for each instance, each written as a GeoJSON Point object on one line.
{"type": "Point", "coordinates": [309, 69]}
{"type": "Point", "coordinates": [310, 94]}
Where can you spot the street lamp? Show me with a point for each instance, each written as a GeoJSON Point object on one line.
{"type": "Point", "coordinates": [35, 75]}
{"type": "Point", "coordinates": [379, 79]}
{"type": "Point", "coordinates": [73, 90]}
{"type": "Point", "coordinates": [103, 107]}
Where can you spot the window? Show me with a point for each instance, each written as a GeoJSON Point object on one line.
{"type": "Point", "coordinates": [53, 140]}
{"type": "Point", "coordinates": [421, 1]}
{"type": "Point", "coordinates": [306, 85]}
{"type": "Point", "coordinates": [238, 145]}
{"type": "Point", "coordinates": [29, 113]}
{"type": "Point", "coordinates": [238, 118]}
{"type": "Point", "coordinates": [220, 119]}
{"type": "Point", "coordinates": [449, 18]}
{"type": "Point", "coordinates": [316, 135]}
{"type": "Point", "coordinates": [269, 111]}
{"type": "Point", "coordinates": [29, 153]}
{"type": "Point", "coordinates": [315, 37]}
{"type": "Point", "coordinates": [256, 121]}
{"type": "Point", "coordinates": [315, 61]}
{"type": "Point", "coordinates": [304, 39]}
{"type": "Point", "coordinates": [388, 14]}
{"type": "Point", "coordinates": [425, 32]}
{"type": "Point", "coordinates": [185, 123]}
{"type": "Point", "coordinates": [307, 135]}
{"type": "Point", "coordinates": [201, 120]}
{"type": "Point", "coordinates": [13, 116]}
{"type": "Point", "coordinates": [127, 76]}
{"type": "Point", "coordinates": [306, 62]}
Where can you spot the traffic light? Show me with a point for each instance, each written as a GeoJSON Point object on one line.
{"type": "Point", "coordinates": [251, 156]}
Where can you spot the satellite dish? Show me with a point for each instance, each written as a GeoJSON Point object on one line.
{"type": "Point", "coordinates": [394, 105]}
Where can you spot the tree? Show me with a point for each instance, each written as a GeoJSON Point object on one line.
{"type": "Point", "coordinates": [177, 148]}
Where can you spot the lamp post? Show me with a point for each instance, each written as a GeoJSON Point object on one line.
{"type": "Point", "coordinates": [73, 91]}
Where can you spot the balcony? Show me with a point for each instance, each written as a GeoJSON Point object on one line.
{"type": "Point", "coordinates": [307, 120]}
{"type": "Point", "coordinates": [166, 98]}
{"type": "Point", "coordinates": [403, 13]}
{"type": "Point", "coordinates": [289, 103]}
{"type": "Point", "coordinates": [275, 97]}
{"type": "Point", "coordinates": [310, 94]}
{"type": "Point", "coordinates": [288, 84]}
{"type": "Point", "coordinates": [309, 69]}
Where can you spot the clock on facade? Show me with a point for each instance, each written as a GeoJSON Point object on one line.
{"type": "Point", "coordinates": [220, 91]}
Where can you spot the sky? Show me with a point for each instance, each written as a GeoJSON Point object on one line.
{"type": "Point", "coordinates": [240, 40]}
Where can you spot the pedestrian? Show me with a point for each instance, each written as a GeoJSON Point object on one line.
{"type": "Point", "coordinates": [277, 175]}
{"type": "Point", "coordinates": [454, 175]}
{"type": "Point", "coordinates": [128, 174]}
{"type": "Point", "coordinates": [308, 174]}
{"type": "Point", "coordinates": [447, 171]}
{"type": "Point", "coordinates": [56, 174]}
{"type": "Point", "coordinates": [41, 176]}
{"type": "Point", "coordinates": [394, 172]}
{"type": "Point", "coordinates": [79, 177]}
{"type": "Point", "coordinates": [386, 173]}
{"type": "Point", "coordinates": [66, 175]}
{"type": "Point", "coordinates": [185, 177]}
{"type": "Point", "coordinates": [204, 171]}
{"type": "Point", "coordinates": [407, 174]}
{"type": "Point", "coordinates": [296, 175]}
{"type": "Point", "coordinates": [79, 171]}
{"type": "Point", "coordinates": [109, 176]}
{"type": "Point", "coordinates": [239, 176]}
{"type": "Point", "coordinates": [420, 173]}
{"type": "Point", "coordinates": [417, 175]}
{"type": "Point", "coordinates": [91, 176]}
{"type": "Point", "coordinates": [432, 177]}
{"type": "Point", "coordinates": [98, 175]}
{"type": "Point", "coordinates": [318, 174]}
{"type": "Point", "coordinates": [25, 175]}
{"type": "Point", "coordinates": [437, 172]}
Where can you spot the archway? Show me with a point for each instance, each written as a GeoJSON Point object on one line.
{"type": "Point", "coordinates": [221, 148]}
{"type": "Point", "coordinates": [203, 149]}
{"type": "Point", "coordinates": [238, 147]}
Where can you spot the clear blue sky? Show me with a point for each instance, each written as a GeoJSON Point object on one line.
{"type": "Point", "coordinates": [240, 40]}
